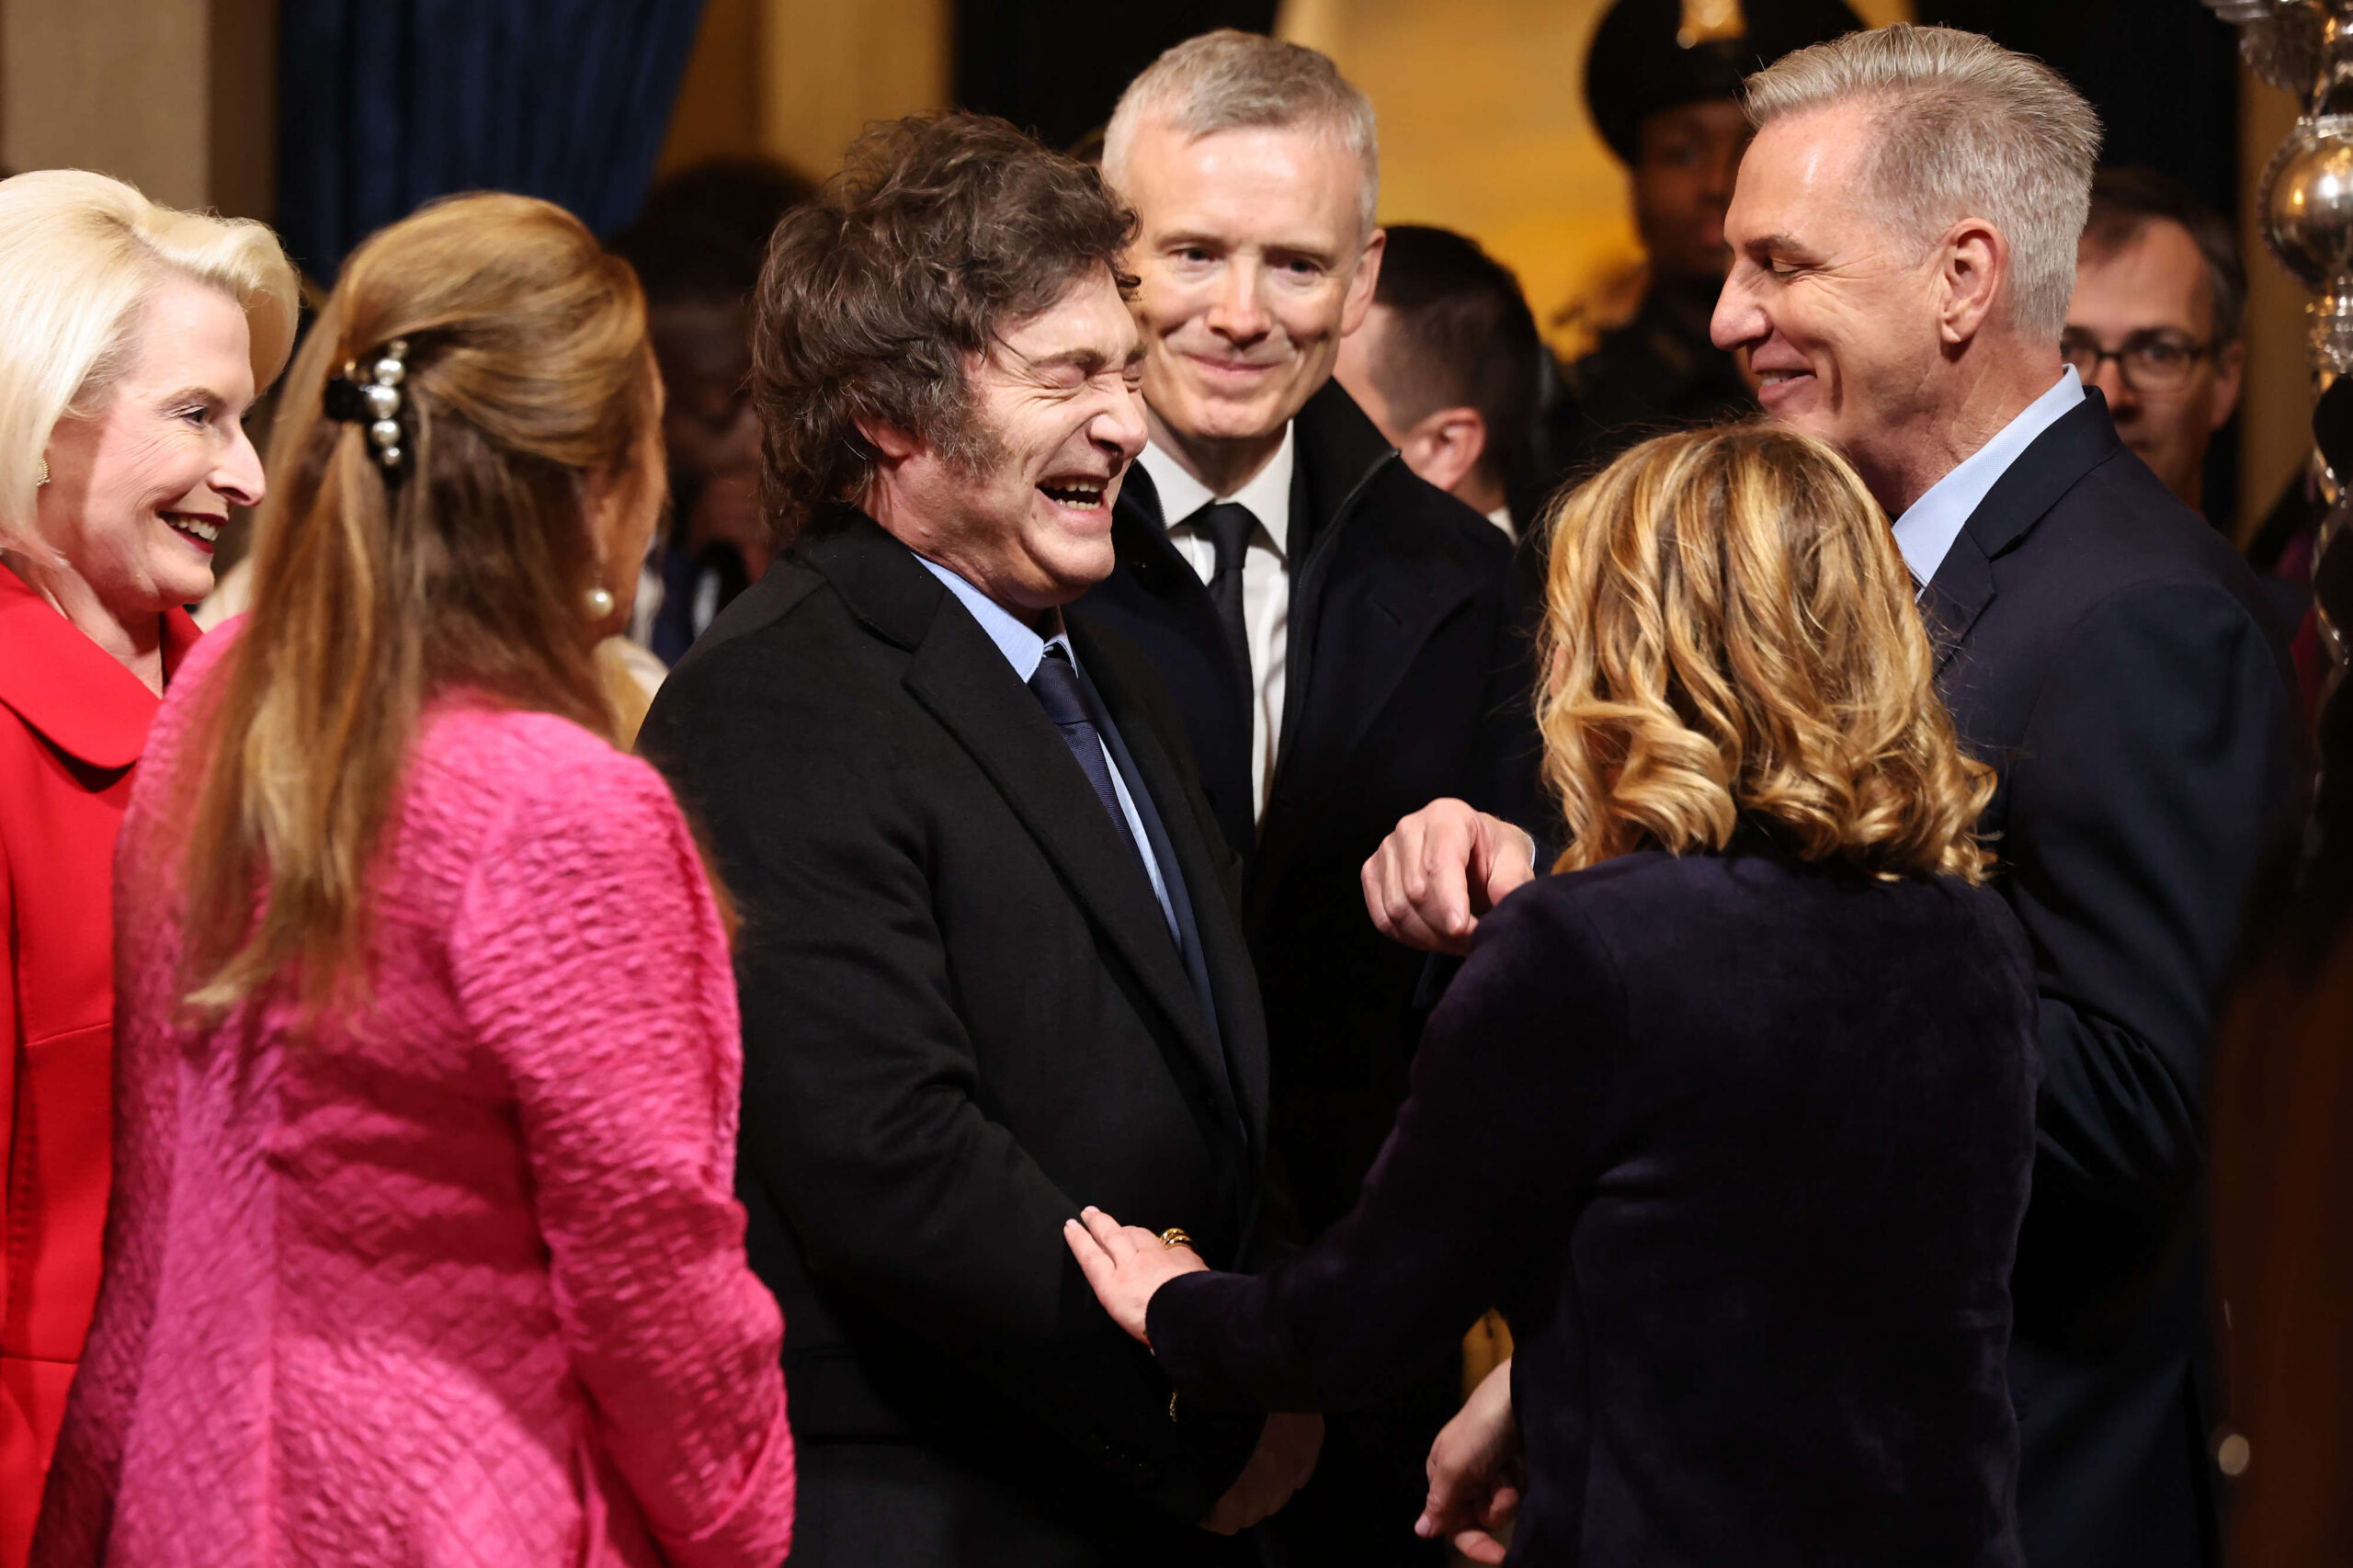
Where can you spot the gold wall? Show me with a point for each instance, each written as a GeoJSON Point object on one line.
{"type": "Point", "coordinates": [178, 97]}
{"type": "Point", "coordinates": [1484, 130]}
{"type": "Point", "coordinates": [2276, 408]}
{"type": "Point", "coordinates": [798, 79]}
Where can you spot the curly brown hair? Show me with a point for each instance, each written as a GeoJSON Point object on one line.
{"type": "Point", "coordinates": [878, 298]}
{"type": "Point", "coordinates": [1730, 641]}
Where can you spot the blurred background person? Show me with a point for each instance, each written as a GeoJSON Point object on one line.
{"type": "Point", "coordinates": [1339, 635]}
{"type": "Point", "coordinates": [2155, 319]}
{"type": "Point", "coordinates": [1665, 97]}
{"type": "Point", "coordinates": [697, 247]}
{"type": "Point", "coordinates": [1736, 1113]}
{"type": "Point", "coordinates": [132, 340]}
{"type": "Point", "coordinates": [429, 1038]}
{"type": "Point", "coordinates": [1449, 365]}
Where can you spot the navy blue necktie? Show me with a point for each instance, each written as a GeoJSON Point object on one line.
{"type": "Point", "coordinates": [1057, 690]}
{"type": "Point", "coordinates": [1229, 527]}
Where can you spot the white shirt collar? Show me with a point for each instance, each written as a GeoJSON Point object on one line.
{"type": "Point", "coordinates": [1925, 531]}
{"type": "Point", "coordinates": [1267, 495]}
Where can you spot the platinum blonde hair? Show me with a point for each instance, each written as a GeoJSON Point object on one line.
{"type": "Point", "coordinates": [1230, 80]}
{"type": "Point", "coordinates": [80, 256]}
{"type": "Point", "coordinates": [1963, 127]}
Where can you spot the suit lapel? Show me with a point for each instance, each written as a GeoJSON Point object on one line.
{"type": "Point", "coordinates": [1172, 622]}
{"type": "Point", "coordinates": [963, 681]}
{"type": "Point", "coordinates": [1952, 604]}
{"type": "Point", "coordinates": [1239, 1064]}
{"type": "Point", "coordinates": [2079, 441]}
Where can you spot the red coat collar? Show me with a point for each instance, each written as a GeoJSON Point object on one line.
{"type": "Point", "coordinates": [81, 700]}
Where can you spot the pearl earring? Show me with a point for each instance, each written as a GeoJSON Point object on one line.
{"type": "Point", "coordinates": [600, 603]}
{"type": "Point", "coordinates": [44, 474]}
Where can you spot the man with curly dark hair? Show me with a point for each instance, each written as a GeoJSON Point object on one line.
{"type": "Point", "coordinates": [990, 967]}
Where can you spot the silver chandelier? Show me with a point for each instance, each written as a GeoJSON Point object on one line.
{"type": "Point", "coordinates": [2306, 204]}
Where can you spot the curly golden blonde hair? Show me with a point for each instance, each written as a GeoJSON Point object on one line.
{"type": "Point", "coordinates": [1730, 646]}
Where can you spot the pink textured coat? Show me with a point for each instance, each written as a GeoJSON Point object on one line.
{"type": "Point", "coordinates": [459, 1280]}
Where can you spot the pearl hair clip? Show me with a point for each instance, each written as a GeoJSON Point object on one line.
{"type": "Point", "coordinates": [374, 402]}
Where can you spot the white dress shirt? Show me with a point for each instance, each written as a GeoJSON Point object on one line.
{"type": "Point", "coordinates": [1928, 528]}
{"type": "Point", "coordinates": [1265, 583]}
{"type": "Point", "coordinates": [1025, 650]}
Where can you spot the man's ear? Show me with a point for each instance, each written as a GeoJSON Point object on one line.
{"type": "Point", "coordinates": [1974, 265]}
{"type": "Point", "coordinates": [1444, 446]}
{"type": "Point", "coordinates": [892, 444]}
{"type": "Point", "coordinates": [1362, 283]}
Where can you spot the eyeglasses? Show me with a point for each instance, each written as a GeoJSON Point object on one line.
{"type": "Point", "coordinates": [2153, 362]}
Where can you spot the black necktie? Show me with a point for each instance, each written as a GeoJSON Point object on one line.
{"type": "Point", "coordinates": [1057, 690]}
{"type": "Point", "coordinates": [1228, 527]}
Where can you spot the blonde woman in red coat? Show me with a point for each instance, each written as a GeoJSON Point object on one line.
{"type": "Point", "coordinates": [132, 340]}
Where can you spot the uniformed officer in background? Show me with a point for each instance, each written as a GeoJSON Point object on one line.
{"type": "Point", "coordinates": [1661, 82]}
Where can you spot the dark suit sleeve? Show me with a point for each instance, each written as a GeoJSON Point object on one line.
{"type": "Point", "coordinates": [1507, 767]}
{"type": "Point", "coordinates": [2154, 757]}
{"type": "Point", "coordinates": [1511, 1090]}
{"type": "Point", "coordinates": [863, 1117]}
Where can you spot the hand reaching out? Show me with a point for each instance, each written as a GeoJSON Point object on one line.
{"type": "Point", "coordinates": [1440, 869]}
{"type": "Point", "coordinates": [1476, 1473]}
{"type": "Point", "coordinates": [1125, 1263]}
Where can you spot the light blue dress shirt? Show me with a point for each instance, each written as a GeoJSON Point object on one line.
{"type": "Point", "coordinates": [1023, 648]}
{"type": "Point", "coordinates": [1928, 528]}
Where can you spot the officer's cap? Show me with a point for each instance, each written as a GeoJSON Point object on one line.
{"type": "Point", "coordinates": [1654, 54]}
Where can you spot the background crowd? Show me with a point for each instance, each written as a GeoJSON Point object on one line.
{"type": "Point", "coordinates": [585, 1016]}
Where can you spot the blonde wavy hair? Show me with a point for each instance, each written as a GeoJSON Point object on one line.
{"type": "Point", "coordinates": [1730, 644]}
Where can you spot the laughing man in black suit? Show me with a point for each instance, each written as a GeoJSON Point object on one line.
{"type": "Point", "coordinates": [1337, 633]}
{"type": "Point", "coordinates": [1905, 229]}
{"type": "Point", "coordinates": [989, 957]}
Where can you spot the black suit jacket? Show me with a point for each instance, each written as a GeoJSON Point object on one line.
{"type": "Point", "coordinates": [1405, 681]}
{"type": "Point", "coordinates": [1742, 1145]}
{"type": "Point", "coordinates": [2111, 655]}
{"type": "Point", "coordinates": [964, 1017]}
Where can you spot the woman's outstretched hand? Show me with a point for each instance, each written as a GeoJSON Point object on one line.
{"type": "Point", "coordinates": [1125, 1265]}
{"type": "Point", "coordinates": [1475, 1473]}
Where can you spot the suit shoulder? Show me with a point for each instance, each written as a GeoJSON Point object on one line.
{"type": "Point", "coordinates": [1409, 496]}
{"type": "Point", "coordinates": [796, 665]}
{"type": "Point", "coordinates": [2119, 539]}
{"type": "Point", "coordinates": [787, 584]}
{"type": "Point", "coordinates": [2121, 525]}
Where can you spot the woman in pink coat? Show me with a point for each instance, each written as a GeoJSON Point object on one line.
{"type": "Point", "coordinates": [423, 1248]}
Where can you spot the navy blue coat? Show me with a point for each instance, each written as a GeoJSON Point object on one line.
{"type": "Point", "coordinates": [2111, 655]}
{"type": "Point", "coordinates": [1743, 1145]}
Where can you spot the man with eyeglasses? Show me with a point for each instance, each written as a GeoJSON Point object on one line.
{"type": "Point", "coordinates": [2155, 321]}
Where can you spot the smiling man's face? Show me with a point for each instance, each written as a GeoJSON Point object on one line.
{"type": "Point", "coordinates": [1027, 518]}
{"type": "Point", "coordinates": [1833, 306]}
{"type": "Point", "coordinates": [1255, 263]}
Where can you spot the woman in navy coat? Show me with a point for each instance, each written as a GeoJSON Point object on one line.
{"type": "Point", "coordinates": [1732, 1115]}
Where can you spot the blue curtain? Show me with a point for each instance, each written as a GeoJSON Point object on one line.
{"type": "Point", "coordinates": [386, 103]}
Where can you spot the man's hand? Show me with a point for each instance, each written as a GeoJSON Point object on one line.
{"type": "Point", "coordinates": [1439, 870]}
{"type": "Point", "coordinates": [1475, 1473]}
{"type": "Point", "coordinates": [1285, 1459]}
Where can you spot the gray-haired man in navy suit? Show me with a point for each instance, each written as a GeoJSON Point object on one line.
{"type": "Point", "coordinates": [1905, 230]}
